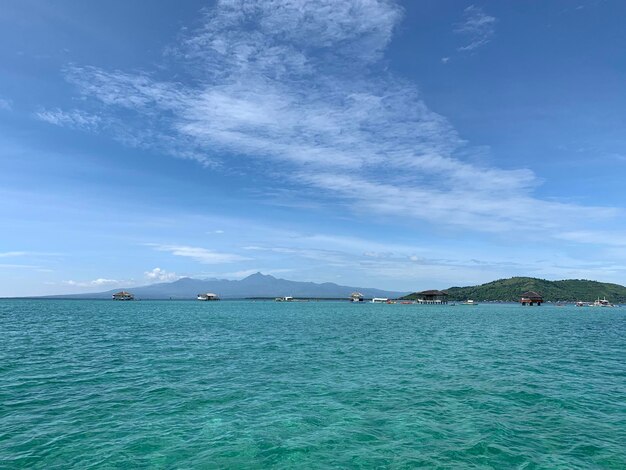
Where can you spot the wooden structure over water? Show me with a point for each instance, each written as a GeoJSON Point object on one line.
{"type": "Point", "coordinates": [356, 297]}
{"type": "Point", "coordinates": [123, 295]}
{"type": "Point", "coordinates": [432, 297]}
{"type": "Point", "coordinates": [531, 298]}
{"type": "Point", "coordinates": [208, 296]}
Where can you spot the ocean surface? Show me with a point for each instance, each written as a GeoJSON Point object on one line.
{"type": "Point", "coordinates": [242, 384]}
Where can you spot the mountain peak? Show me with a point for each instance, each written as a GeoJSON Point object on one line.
{"type": "Point", "coordinates": [258, 275]}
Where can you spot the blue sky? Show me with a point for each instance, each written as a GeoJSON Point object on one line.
{"type": "Point", "coordinates": [402, 145]}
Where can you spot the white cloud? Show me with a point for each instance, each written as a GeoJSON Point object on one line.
{"type": "Point", "coordinates": [201, 255]}
{"type": "Point", "coordinates": [477, 26]}
{"type": "Point", "coordinates": [11, 254]}
{"type": "Point", "coordinates": [160, 275]}
{"type": "Point", "coordinates": [74, 119]}
{"type": "Point", "coordinates": [595, 237]}
{"type": "Point", "coordinates": [100, 282]}
{"type": "Point", "coordinates": [298, 88]}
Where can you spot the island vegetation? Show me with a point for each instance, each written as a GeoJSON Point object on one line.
{"type": "Point", "coordinates": [509, 290]}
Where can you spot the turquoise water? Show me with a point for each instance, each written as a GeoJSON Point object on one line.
{"type": "Point", "coordinates": [103, 384]}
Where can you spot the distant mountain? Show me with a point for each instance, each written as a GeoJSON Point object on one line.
{"type": "Point", "coordinates": [510, 290]}
{"type": "Point", "coordinates": [256, 285]}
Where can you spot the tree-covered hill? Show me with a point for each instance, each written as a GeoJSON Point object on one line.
{"type": "Point", "coordinates": [509, 290]}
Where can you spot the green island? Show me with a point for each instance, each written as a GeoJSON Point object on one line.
{"type": "Point", "coordinates": [509, 290]}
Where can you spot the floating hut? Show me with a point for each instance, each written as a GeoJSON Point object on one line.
{"type": "Point", "coordinates": [531, 298]}
{"type": "Point", "coordinates": [356, 297]}
{"type": "Point", "coordinates": [432, 297]}
{"type": "Point", "coordinates": [123, 295]}
{"type": "Point", "coordinates": [208, 296]}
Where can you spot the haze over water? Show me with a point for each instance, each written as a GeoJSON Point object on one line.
{"type": "Point", "coordinates": [166, 384]}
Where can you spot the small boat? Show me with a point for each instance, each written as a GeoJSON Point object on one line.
{"type": "Point", "coordinates": [380, 300]}
{"type": "Point", "coordinates": [469, 302]}
{"type": "Point", "coordinates": [284, 299]}
{"type": "Point", "coordinates": [580, 304]}
{"type": "Point", "coordinates": [208, 296]}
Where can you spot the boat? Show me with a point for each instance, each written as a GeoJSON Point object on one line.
{"type": "Point", "coordinates": [284, 299]}
{"type": "Point", "coordinates": [601, 303]}
{"type": "Point", "coordinates": [580, 304]}
{"type": "Point", "coordinates": [469, 302]}
{"type": "Point", "coordinates": [380, 300]}
{"type": "Point", "coordinates": [208, 296]}
{"type": "Point", "coordinates": [123, 295]}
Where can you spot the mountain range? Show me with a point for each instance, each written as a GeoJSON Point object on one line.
{"type": "Point", "coordinates": [255, 285]}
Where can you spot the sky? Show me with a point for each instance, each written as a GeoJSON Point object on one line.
{"type": "Point", "coordinates": [371, 143]}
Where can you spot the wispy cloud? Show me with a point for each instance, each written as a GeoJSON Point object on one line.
{"type": "Point", "coordinates": [31, 256]}
{"type": "Point", "coordinates": [160, 275]}
{"type": "Point", "coordinates": [495, 208]}
{"type": "Point", "coordinates": [595, 237]}
{"type": "Point", "coordinates": [23, 266]}
{"type": "Point", "coordinates": [202, 255]}
{"type": "Point", "coordinates": [297, 87]}
{"type": "Point", "coordinates": [477, 27]}
{"type": "Point", "coordinates": [332, 257]}
{"type": "Point", "coordinates": [13, 254]}
{"type": "Point", "coordinates": [76, 119]}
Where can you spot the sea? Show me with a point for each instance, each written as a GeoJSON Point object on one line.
{"type": "Point", "coordinates": [243, 384]}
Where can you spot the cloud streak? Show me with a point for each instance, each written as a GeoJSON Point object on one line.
{"type": "Point", "coordinates": [201, 255]}
{"type": "Point", "coordinates": [477, 27]}
{"type": "Point", "coordinates": [75, 119]}
{"type": "Point", "coordinates": [15, 254]}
